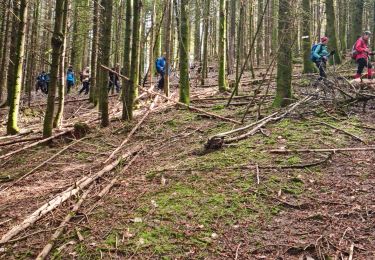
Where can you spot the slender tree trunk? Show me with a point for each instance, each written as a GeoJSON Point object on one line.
{"type": "Point", "coordinates": [333, 43]}
{"type": "Point", "coordinates": [357, 20]}
{"type": "Point", "coordinates": [127, 108]}
{"type": "Point", "coordinates": [57, 43]}
{"type": "Point", "coordinates": [12, 126]}
{"type": "Point", "coordinates": [284, 58]}
{"type": "Point", "coordinates": [197, 32]}
{"type": "Point", "coordinates": [105, 50]}
{"type": "Point", "coordinates": [94, 54]}
{"type": "Point", "coordinates": [5, 53]}
{"type": "Point", "coordinates": [206, 25]}
{"type": "Point", "coordinates": [260, 37]}
{"type": "Point", "coordinates": [308, 65]}
{"type": "Point", "coordinates": [222, 48]}
{"type": "Point", "coordinates": [239, 44]}
{"type": "Point", "coordinates": [133, 86]}
{"type": "Point", "coordinates": [60, 109]}
{"type": "Point", "coordinates": [184, 53]}
{"type": "Point", "coordinates": [343, 24]}
{"type": "Point", "coordinates": [168, 46]}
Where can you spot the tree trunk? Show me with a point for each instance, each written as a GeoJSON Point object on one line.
{"type": "Point", "coordinates": [105, 50]}
{"type": "Point", "coordinates": [331, 31]}
{"type": "Point", "coordinates": [357, 20]}
{"type": "Point", "coordinates": [308, 65]}
{"type": "Point", "coordinates": [184, 53]}
{"type": "Point", "coordinates": [127, 108]}
{"type": "Point", "coordinates": [197, 32]}
{"type": "Point", "coordinates": [57, 42]}
{"type": "Point", "coordinates": [168, 45]}
{"type": "Point", "coordinates": [4, 56]}
{"type": "Point", "coordinates": [343, 24]}
{"type": "Point", "coordinates": [12, 127]}
{"type": "Point", "coordinates": [94, 54]}
{"type": "Point", "coordinates": [284, 58]}
{"type": "Point", "coordinates": [259, 55]}
{"type": "Point", "coordinates": [133, 86]}
{"type": "Point", "coordinates": [222, 48]}
{"type": "Point", "coordinates": [206, 24]}
{"type": "Point", "coordinates": [60, 109]}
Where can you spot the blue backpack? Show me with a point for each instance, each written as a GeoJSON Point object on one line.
{"type": "Point", "coordinates": [313, 49]}
{"type": "Point", "coordinates": [70, 76]}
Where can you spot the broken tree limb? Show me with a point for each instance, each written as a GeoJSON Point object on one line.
{"type": "Point", "coordinates": [43, 163]}
{"type": "Point", "coordinates": [152, 106]}
{"type": "Point", "coordinates": [342, 130]}
{"type": "Point", "coordinates": [324, 150]}
{"type": "Point", "coordinates": [174, 101]}
{"type": "Point", "coordinates": [17, 141]}
{"type": "Point", "coordinates": [36, 143]}
{"type": "Point", "coordinates": [62, 197]}
{"type": "Point", "coordinates": [47, 248]}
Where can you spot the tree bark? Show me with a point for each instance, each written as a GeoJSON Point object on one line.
{"type": "Point", "coordinates": [357, 20]}
{"type": "Point", "coordinates": [184, 53]}
{"type": "Point", "coordinates": [308, 65]}
{"type": "Point", "coordinates": [331, 31]}
{"type": "Point", "coordinates": [94, 54]}
{"type": "Point", "coordinates": [127, 108]}
{"type": "Point", "coordinates": [222, 48]}
{"type": "Point", "coordinates": [12, 126]}
{"type": "Point", "coordinates": [206, 24]}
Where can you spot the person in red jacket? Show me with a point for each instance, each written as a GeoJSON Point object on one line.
{"type": "Point", "coordinates": [361, 54]}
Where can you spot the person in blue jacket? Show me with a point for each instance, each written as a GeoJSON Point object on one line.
{"type": "Point", "coordinates": [160, 63]}
{"type": "Point", "coordinates": [321, 55]}
{"type": "Point", "coordinates": [70, 78]}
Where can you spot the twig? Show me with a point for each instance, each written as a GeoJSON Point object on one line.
{"type": "Point", "coordinates": [257, 169]}
{"type": "Point", "coordinates": [351, 252]}
{"type": "Point", "coordinates": [334, 150]}
{"type": "Point", "coordinates": [237, 251]}
{"type": "Point", "coordinates": [341, 130]}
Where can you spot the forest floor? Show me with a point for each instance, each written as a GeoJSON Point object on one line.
{"type": "Point", "coordinates": [179, 201]}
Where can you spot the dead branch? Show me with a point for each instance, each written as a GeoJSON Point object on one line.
{"type": "Point", "coordinates": [342, 130]}
{"type": "Point", "coordinates": [62, 197]}
{"type": "Point", "coordinates": [47, 248]}
{"type": "Point", "coordinates": [324, 150]}
{"type": "Point", "coordinates": [17, 141]}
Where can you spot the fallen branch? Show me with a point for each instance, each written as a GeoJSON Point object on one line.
{"type": "Point", "coordinates": [36, 143]}
{"type": "Point", "coordinates": [62, 197]}
{"type": "Point", "coordinates": [176, 102]}
{"type": "Point", "coordinates": [342, 130]}
{"type": "Point", "coordinates": [152, 106]}
{"type": "Point", "coordinates": [20, 141]}
{"type": "Point", "coordinates": [47, 248]}
{"type": "Point", "coordinates": [43, 163]}
{"type": "Point", "coordinates": [324, 150]}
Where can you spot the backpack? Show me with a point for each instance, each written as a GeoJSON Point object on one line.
{"type": "Point", "coordinates": [313, 49]}
{"type": "Point", "coordinates": [354, 52]}
{"type": "Point", "coordinates": [70, 76]}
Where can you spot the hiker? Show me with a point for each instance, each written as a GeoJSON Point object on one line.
{"type": "Point", "coordinates": [85, 78]}
{"type": "Point", "coordinates": [361, 54]}
{"type": "Point", "coordinates": [320, 56]}
{"type": "Point", "coordinates": [41, 82]}
{"type": "Point", "coordinates": [70, 78]}
{"type": "Point", "coordinates": [114, 80]}
{"type": "Point", "coordinates": [160, 69]}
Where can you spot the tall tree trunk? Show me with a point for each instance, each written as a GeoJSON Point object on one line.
{"type": "Point", "coordinates": [94, 54]}
{"type": "Point", "coordinates": [357, 20]}
{"type": "Point", "coordinates": [12, 126]}
{"type": "Point", "coordinates": [57, 42]}
{"type": "Point", "coordinates": [260, 37]}
{"type": "Point", "coordinates": [222, 48]}
{"type": "Point", "coordinates": [232, 35]}
{"type": "Point", "coordinates": [184, 53]}
{"type": "Point", "coordinates": [333, 43]}
{"type": "Point", "coordinates": [197, 32]}
{"type": "Point", "coordinates": [206, 24]}
{"type": "Point", "coordinates": [308, 65]}
{"type": "Point", "coordinates": [5, 53]}
{"type": "Point", "coordinates": [168, 45]}
{"type": "Point", "coordinates": [284, 58]}
{"type": "Point", "coordinates": [275, 6]}
{"type": "Point", "coordinates": [343, 24]}
{"type": "Point", "coordinates": [60, 109]}
{"type": "Point", "coordinates": [105, 50]}
{"type": "Point", "coordinates": [133, 86]}
{"type": "Point", "coordinates": [127, 108]}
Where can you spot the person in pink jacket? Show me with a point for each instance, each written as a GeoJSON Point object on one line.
{"type": "Point", "coordinates": [361, 55]}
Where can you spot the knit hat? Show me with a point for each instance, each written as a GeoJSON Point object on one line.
{"type": "Point", "coordinates": [324, 39]}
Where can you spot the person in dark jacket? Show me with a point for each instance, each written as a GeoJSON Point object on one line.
{"type": "Point", "coordinates": [85, 78]}
{"type": "Point", "coordinates": [361, 55]}
{"type": "Point", "coordinates": [160, 64]}
{"type": "Point", "coordinates": [114, 80]}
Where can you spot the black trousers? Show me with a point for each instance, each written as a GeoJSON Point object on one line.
{"type": "Point", "coordinates": [116, 84]}
{"type": "Point", "coordinates": [85, 87]}
{"type": "Point", "coordinates": [161, 80]}
{"type": "Point", "coordinates": [69, 85]}
{"type": "Point", "coordinates": [322, 66]}
{"type": "Point", "coordinates": [362, 63]}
